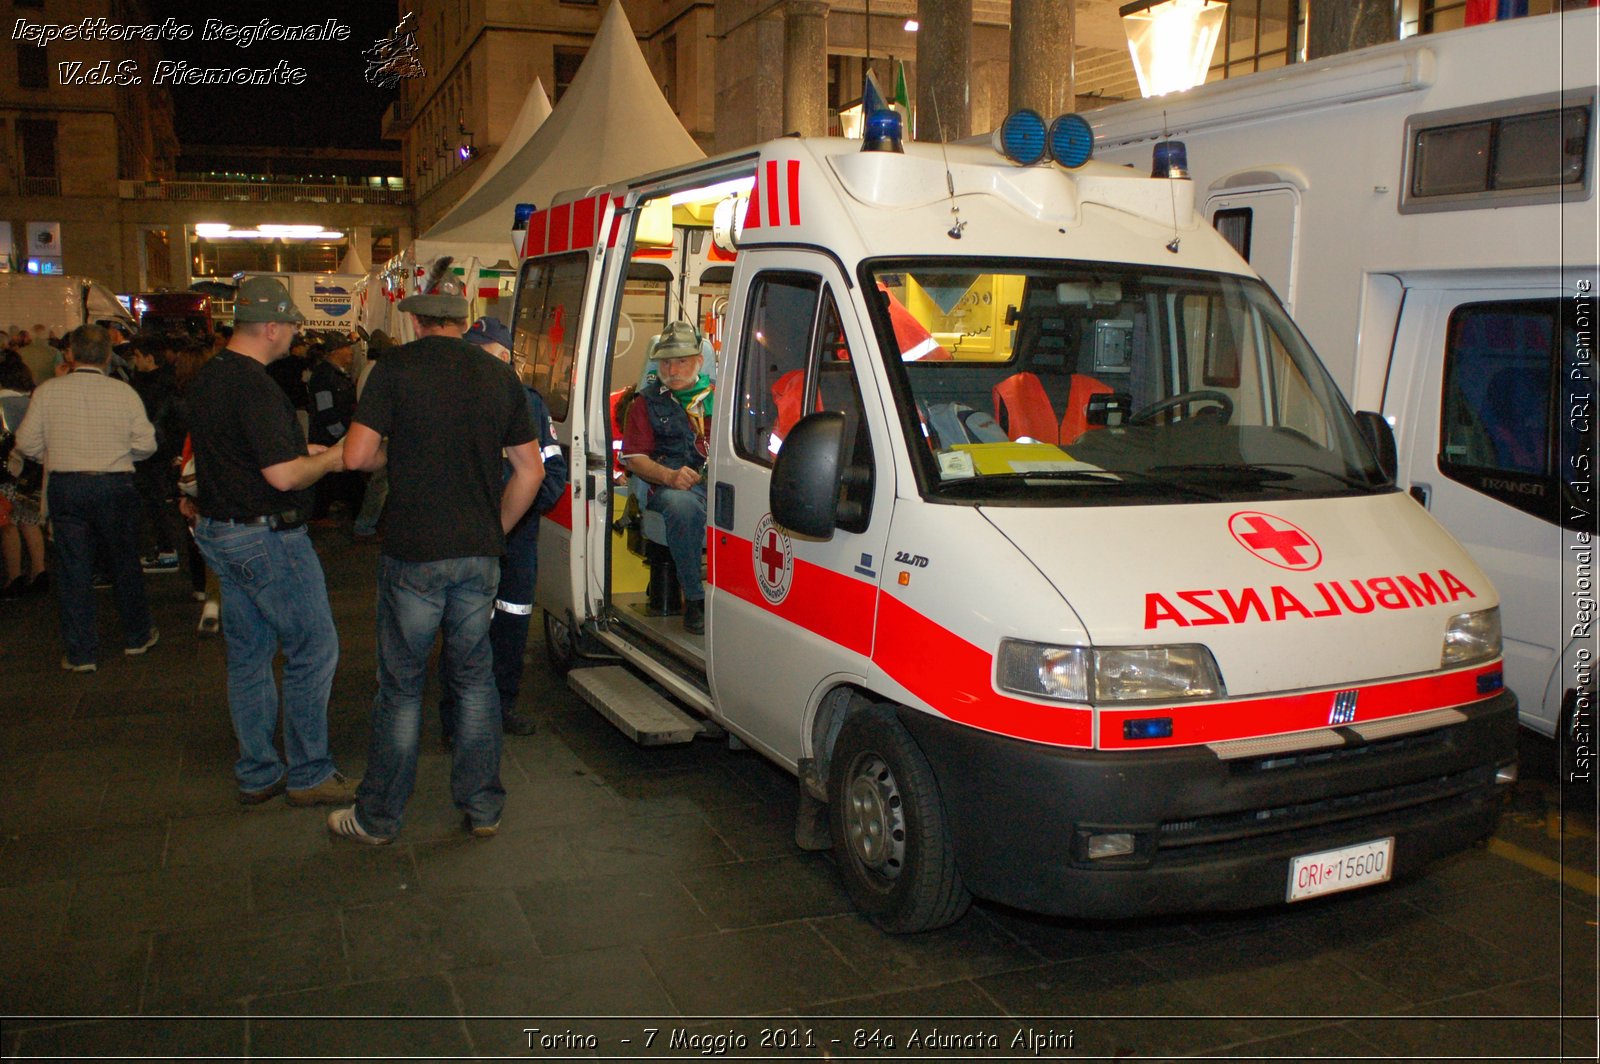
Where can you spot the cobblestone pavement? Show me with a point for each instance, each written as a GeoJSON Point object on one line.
{"type": "Point", "coordinates": [651, 902]}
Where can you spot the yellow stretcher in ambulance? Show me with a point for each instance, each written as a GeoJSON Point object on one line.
{"type": "Point", "coordinates": [1039, 545]}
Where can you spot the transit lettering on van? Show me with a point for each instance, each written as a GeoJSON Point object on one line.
{"type": "Point", "coordinates": [1075, 398]}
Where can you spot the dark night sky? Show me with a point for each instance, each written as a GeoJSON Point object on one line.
{"type": "Point", "coordinates": [335, 107]}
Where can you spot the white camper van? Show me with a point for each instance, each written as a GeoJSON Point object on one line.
{"type": "Point", "coordinates": [1426, 211]}
{"type": "Point", "coordinates": [1039, 545]}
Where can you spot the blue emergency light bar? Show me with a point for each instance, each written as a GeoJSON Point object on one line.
{"type": "Point", "coordinates": [1170, 158]}
{"type": "Point", "coordinates": [1021, 137]}
{"type": "Point", "coordinates": [883, 132]}
{"type": "Point", "coordinates": [1071, 141]}
{"type": "Point", "coordinates": [1024, 139]}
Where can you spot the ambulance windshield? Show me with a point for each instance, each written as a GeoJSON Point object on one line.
{"type": "Point", "coordinates": [1110, 383]}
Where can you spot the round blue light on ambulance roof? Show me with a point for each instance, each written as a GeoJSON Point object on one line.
{"type": "Point", "coordinates": [521, 213]}
{"type": "Point", "coordinates": [883, 132]}
{"type": "Point", "coordinates": [1071, 141]}
{"type": "Point", "coordinates": [1021, 137]}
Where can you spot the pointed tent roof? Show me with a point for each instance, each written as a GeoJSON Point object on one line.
{"type": "Point", "coordinates": [535, 109]}
{"type": "Point", "coordinates": [612, 123]}
{"type": "Point", "coordinates": [352, 262]}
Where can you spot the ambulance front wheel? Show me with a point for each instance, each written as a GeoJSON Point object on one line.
{"type": "Point", "coordinates": [560, 644]}
{"type": "Point", "coordinates": [889, 829]}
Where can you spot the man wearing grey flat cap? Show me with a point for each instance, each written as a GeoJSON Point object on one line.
{"type": "Point", "coordinates": [439, 412]}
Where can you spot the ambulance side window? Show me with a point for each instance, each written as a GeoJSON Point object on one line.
{"type": "Point", "coordinates": [772, 363]}
{"type": "Point", "coordinates": [1497, 415]}
{"type": "Point", "coordinates": [545, 332]}
{"type": "Point", "coordinates": [833, 387]}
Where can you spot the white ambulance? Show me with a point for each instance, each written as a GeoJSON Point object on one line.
{"type": "Point", "coordinates": [1039, 545]}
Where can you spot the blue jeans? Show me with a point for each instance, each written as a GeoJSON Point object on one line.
{"type": "Point", "coordinates": [274, 595]}
{"type": "Point", "coordinates": [101, 513]}
{"type": "Point", "coordinates": [508, 630]}
{"type": "Point", "coordinates": [416, 602]}
{"type": "Point", "coordinates": [685, 515]}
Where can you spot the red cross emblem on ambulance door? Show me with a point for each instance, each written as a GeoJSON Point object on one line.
{"type": "Point", "coordinates": [1275, 541]}
{"type": "Point", "coordinates": [773, 558]}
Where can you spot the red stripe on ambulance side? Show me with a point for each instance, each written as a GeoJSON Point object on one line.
{"type": "Point", "coordinates": [1250, 718]}
{"type": "Point", "coordinates": [560, 233]}
{"type": "Point", "coordinates": [794, 191]}
{"type": "Point", "coordinates": [837, 607]}
{"type": "Point", "coordinates": [774, 217]}
{"type": "Point", "coordinates": [752, 216]}
{"type": "Point", "coordinates": [583, 223]}
{"type": "Point", "coordinates": [537, 226]}
{"type": "Point", "coordinates": [956, 678]}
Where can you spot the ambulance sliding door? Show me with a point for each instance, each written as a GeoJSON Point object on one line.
{"type": "Point", "coordinates": [789, 615]}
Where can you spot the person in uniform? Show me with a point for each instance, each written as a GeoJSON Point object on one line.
{"type": "Point", "coordinates": [519, 569]}
{"type": "Point", "coordinates": [255, 471]}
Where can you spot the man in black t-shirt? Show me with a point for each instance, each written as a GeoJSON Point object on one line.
{"type": "Point", "coordinates": [255, 471]}
{"type": "Point", "coordinates": [448, 410]}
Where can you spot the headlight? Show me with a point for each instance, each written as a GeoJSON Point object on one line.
{"type": "Point", "coordinates": [1108, 674]}
{"type": "Point", "coordinates": [1472, 637]}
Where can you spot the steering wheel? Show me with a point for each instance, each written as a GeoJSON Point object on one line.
{"type": "Point", "coordinates": [1223, 412]}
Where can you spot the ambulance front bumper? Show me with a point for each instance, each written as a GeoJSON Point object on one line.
{"type": "Point", "coordinates": [1208, 834]}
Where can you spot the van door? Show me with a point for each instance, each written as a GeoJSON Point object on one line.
{"type": "Point", "coordinates": [551, 293]}
{"type": "Point", "coordinates": [787, 614]}
{"type": "Point", "coordinates": [1476, 385]}
{"type": "Point", "coordinates": [1261, 226]}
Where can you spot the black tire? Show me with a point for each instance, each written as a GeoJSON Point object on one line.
{"type": "Point", "coordinates": [888, 827]}
{"type": "Point", "coordinates": [560, 643]}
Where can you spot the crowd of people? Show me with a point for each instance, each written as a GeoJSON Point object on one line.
{"type": "Point", "coordinates": [223, 451]}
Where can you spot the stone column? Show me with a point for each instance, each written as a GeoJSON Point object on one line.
{"type": "Point", "coordinates": [944, 60]}
{"type": "Point", "coordinates": [179, 262]}
{"type": "Point", "coordinates": [1344, 27]}
{"type": "Point", "coordinates": [1042, 47]}
{"type": "Point", "coordinates": [805, 68]}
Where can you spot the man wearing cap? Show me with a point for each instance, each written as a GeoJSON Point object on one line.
{"type": "Point", "coordinates": [664, 444]}
{"type": "Point", "coordinates": [519, 569]}
{"type": "Point", "coordinates": [255, 471]}
{"type": "Point", "coordinates": [449, 410]}
{"type": "Point", "coordinates": [332, 402]}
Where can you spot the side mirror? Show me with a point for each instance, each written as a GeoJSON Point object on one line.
{"type": "Point", "coordinates": [1380, 437]}
{"type": "Point", "coordinates": [804, 495]}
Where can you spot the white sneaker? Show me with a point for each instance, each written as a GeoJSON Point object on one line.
{"type": "Point", "coordinates": [210, 618]}
{"type": "Point", "coordinates": [343, 822]}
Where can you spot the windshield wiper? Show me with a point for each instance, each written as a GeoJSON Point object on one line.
{"type": "Point", "coordinates": [1263, 471]}
{"type": "Point", "coordinates": [1123, 477]}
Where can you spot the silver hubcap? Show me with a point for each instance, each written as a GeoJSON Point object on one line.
{"type": "Point", "coordinates": [874, 817]}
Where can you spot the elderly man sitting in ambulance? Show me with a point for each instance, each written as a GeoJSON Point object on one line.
{"type": "Point", "coordinates": [664, 445]}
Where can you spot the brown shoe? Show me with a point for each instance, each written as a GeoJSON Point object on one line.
{"type": "Point", "coordinates": [265, 794]}
{"type": "Point", "coordinates": [335, 790]}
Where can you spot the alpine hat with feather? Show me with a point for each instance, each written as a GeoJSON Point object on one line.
{"type": "Point", "coordinates": [440, 295]}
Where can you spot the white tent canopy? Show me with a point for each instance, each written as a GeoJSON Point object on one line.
{"type": "Point", "coordinates": [447, 236]}
{"type": "Point", "coordinates": [612, 123]}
